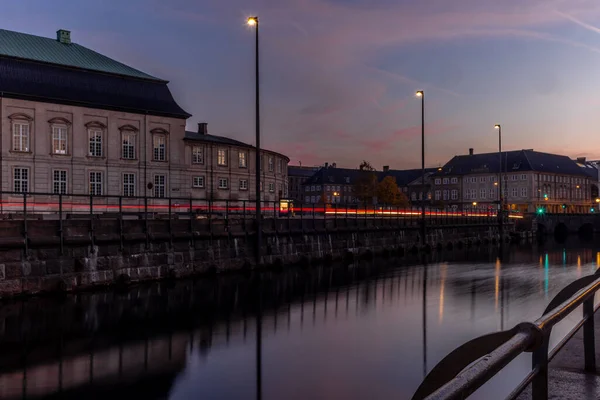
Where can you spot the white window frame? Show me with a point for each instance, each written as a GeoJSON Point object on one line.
{"type": "Point", "coordinates": [514, 192]}
{"type": "Point", "coordinates": [128, 140]}
{"type": "Point", "coordinates": [198, 181]}
{"type": "Point", "coordinates": [224, 183]}
{"type": "Point", "coordinates": [21, 179]}
{"type": "Point", "coordinates": [523, 192]}
{"type": "Point", "coordinates": [454, 180]}
{"type": "Point", "coordinates": [483, 194]}
{"type": "Point", "coordinates": [60, 139]}
{"type": "Point", "coordinates": [59, 181]}
{"type": "Point", "coordinates": [243, 159]}
{"type": "Point", "coordinates": [523, 177]}
{"type": "Point", "coordinates": [271, 187]}
{"type": "Point", "coordinates": [454, 194]}
{"type": "Point", "coordinates": [438, 181]}
{"type": "Point", "coordinates": [128, 184]}
{"type": "Point", "coordinates": [96, 179]}
{"type": "Point", "coordinates": [160, 186]}
{"type": "Point", "coordinates": [243, 184]}
{"type": "Point", "coordinates": [197, 155]}
{"type": "Point", "coordinates": [473, 194]}
{"type": "Point", "coordinates": [95, 142]}
{"type": "Point", "coordinates": [438, 194]}
{"type": "Point", "coordinates": [482, 179]}
{"type": "Point", "coordinates": [21, 136]}
{"type": "Point", "coordinates": [159, 147]}
{"type": "Point", "coordinates": [222, 157]}
{"type": "Point", "coordinates": [445, 195]}
{"type": "Point", "coordinates": [445, 181]}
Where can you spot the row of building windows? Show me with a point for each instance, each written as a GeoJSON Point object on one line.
{"type": "Point", "coordinates": [512, 177]}
{"type": "Point", "coordinates": [445, 181]}
{"type": "Point", "coordinates": [222, 159]}
{"type": "Point", "coordinates": [328, 188]}
{"type": "Point", "coordinates": [59, 142]}
{"type": "Point", "coordinates": [21, 179]}
{"type": "Point", "coordinates": [330, 199]}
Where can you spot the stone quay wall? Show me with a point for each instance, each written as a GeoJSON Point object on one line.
{"type": "Point", "coordinates": [52, 255]}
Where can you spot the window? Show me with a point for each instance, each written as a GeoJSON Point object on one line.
{"type": "Point", "coordinates": [307, 199]}
{"type": "Point", "coordinates": [445, 181]}
{"type": "Point", "coordinates": [454, 180]}
{"type": "Point", "coordinates": [413, 196]}
{"type": "Point", "coordinates": [262, 162]}
{"type": "Point", "coordinates": [59, 139]}
{"type": "Point", "coordinates": [242, 159]}
{"type": "Point", "coordinates": [197, 155]}
{"type": "Point", "coordinates": [160, 183]}
{"type": "Point", "coordinates": [438, 181]}
{"type": "Point", "coordinates": [128, 184]}
{"type": "Point", "coordinates": [96, 183]}
{"type": "Point", "coordinates": [492, 193]}
{"type": "Point", "coordinates": [95, 139]}
{"type": "Point", "coordinates": [492, 179]}
{"type": "Point", "coordinates": [515, 192]}
{"type": "Point", "coordinates": [271, 187]}
{"type": "Point", "coordinates": [312, 188]}
{"type": "Point", "coordinates": [222, 157]}
{"type": "Point", "coordinates": [473, 194]}
{"type": "Point", "coordinates": [329, 199]}
{"type": "Point", "coordinates": [437, 194]}
{"type": "Point", "coordinates": [523, 177]}
{"type": "Point", "coordinates": [328, 188]}
{"type": "Point", "coordinates": [279, 165]}
{"type": "Point", "coordinates": [198, 182]}
{"type": "Point", "coordinates": [454, 194]}
{"type": "Point", "coordinates": [524, 192]}
{"type": "Point", "coordinates": [482, 179]}
{"type": "Point", "coordinates": [20, 136]}
{"type": "Point", "coordinates": [59, 182]}
{"type": "Point", "coordinates": [482, 194]}
{"type": "Point", "coordinates": [467, 194]}
{"type": "Point", "coordinates": [271, 164]}
{"type": "Point", "coordinates": [513, 177]}
{"type": "Point", "coordinates": [318, 187]}
{"type": "Point", "coordinates": [243, 184]}
{"type": "Point", "coordinates": [160, 148]}
{"type": "Point", "coordinates": [445, 195]}
{"type": "Point", "coordinates": [128, 150]}
{"type": "Point", "coordinates": [21, 180]}
{"type": "Point", "coordinates": [224, 183]}
{"type": "Point", "coordinates": [473, 180]}
{"type": "Point", "coordinates": [306, 189]}
{"type": "Point", "coordinates": [347, 179]}
{"type": "Point", "coordinates": [312, 199]}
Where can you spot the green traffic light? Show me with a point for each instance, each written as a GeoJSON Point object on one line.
{"type": "Point", "coordinates": [592, 209]}
{"type": "Point", "coordinates": [540, 210]}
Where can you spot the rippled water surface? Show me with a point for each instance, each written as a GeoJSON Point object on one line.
{"type": "Point", "coordinates": [370, 330]}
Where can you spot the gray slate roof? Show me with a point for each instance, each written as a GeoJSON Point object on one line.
{"type": "Point", "coordinates": [332, 175]}
{"type": "Point", "coordinates": [207, 138]}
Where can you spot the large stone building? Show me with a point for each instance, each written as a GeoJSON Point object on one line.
{"type": "Point", "coordinates": [297, 176]}
{"type": "Point", "coordinates": [531, 180]}
{"type": "Point", "coordinates": [75, 121]}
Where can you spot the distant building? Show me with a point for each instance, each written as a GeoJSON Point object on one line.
{"type": "Point", "coordinates": [297, 175]}
{"type": "Point", "coordinates": [531, 180]}
{"type": "Point", "coordinates": [591, 169]}
{"type": "Point", "coordinates": [411, 183]}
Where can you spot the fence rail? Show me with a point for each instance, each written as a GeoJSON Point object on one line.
{"type": "Point", "coordinates": [471, 365]}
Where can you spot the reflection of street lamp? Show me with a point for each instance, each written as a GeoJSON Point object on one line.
{"type": "Point", "coordinates": [421, 94]}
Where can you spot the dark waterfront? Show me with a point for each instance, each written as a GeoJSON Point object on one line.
{"type": "Point", "coordinates": [343, 332]}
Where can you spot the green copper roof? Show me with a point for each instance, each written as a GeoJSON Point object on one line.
{"type": "Point", "coordinates": [48, 50]}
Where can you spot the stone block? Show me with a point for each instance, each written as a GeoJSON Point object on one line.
{"type": "Point", "coordinates": [11, 255]}
{"type": "Point", "coordinates": [10, 287]}
{"type": "Point", "coordinates": [13, 270]}
{"type": "Point", "coordinates": [2, 272]}
{"type": "Point", "coordinates": [31, 285]}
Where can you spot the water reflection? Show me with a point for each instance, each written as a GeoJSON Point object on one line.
{"type": "Point", "coordinates": [345, 332]}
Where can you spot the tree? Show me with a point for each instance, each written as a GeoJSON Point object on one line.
{"type": "Point", "coordinates": [388, 193]}
{"type": "Point", "coordinates": [365, 187]}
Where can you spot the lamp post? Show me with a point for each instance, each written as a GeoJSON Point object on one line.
{"type": "Point", "coordinates": [500, 194]}
{"type": "Point", "coordinates": [253, 21]}
{"type": "Point", "coordinates": [421, 94]}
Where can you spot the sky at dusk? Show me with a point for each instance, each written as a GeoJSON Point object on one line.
{"type": "Point", "coordinates": [339, 76]}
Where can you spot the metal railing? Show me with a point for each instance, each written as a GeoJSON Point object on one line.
{"type": "Point", "coordinates": [471, 365]}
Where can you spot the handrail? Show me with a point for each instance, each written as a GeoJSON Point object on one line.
{"type": "Point", "coordinates": [480, 359]}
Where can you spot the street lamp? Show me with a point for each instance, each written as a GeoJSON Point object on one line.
{"type": "Point", "coordinates": [500, 194]}
{"type": "Point", "coordinates": [253, 21]}
{"type": "Point", "coordinates": [421, 94]}
{"type": "Point", "coordinates": [474, 204]}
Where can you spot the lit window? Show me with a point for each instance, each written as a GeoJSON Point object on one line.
{"type": "Point", "coordinates": [95, 139]}
{"type": "Point", "coordinates": [160, 183]}
{"type": "Point", "coordinates": [20, 136]}
{"type": "Point", "coordinates": [59, 182]}
{"type": "Point", "coordinates": [96, 183]}
{"type": "Point", "coordinates": [128, 150]}
{"type": "Point", "coordinates": [222, 157]}
{"type": "Point", "coordinates": [243, 184]}
{"type": "Point", "coordinates": [160, 147]}
{"type": "Point", "coordinates": [224, 183]}
{"type": "Point", "coordinates": [198, 182]}
{"type": "Point", "coordinates": [129, 185]}
{"type": "Point", "coordinates": [59, 139]}
{"type": "Point", "coordinates": [243, 162]}
{"type": "Point", "coordinates": [21, 180]}
{"type": "Point", "coordinates": [197, 155]}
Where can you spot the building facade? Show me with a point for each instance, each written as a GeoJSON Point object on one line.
{"type": "Point", "coordinates": [297, 176]}
{"type": "Point", "coordinates": [222, 168]}
{"type": "Point", "coordinates": [530, 181]}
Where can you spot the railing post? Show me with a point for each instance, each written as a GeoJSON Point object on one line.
{"type": "Point", "coordinates": [170, 226]}
{"type": "Point", "coordinates": [60, 225]}
{"type": "Point", "coordinates": [244, 215]}
{"type": "Point", "coordinates": [539, 384]}
{"type": "Point", "coordinates": [226, 215]}
{"type": "Point", "coordinates": [121, 246]}
{"type": "Point", "coordinates": [92, 222]}
{"type": "Point", "coordinates": [313, 217]}
{"type": "Point", "coordinates": [192, 223]}
{"type": "Point", "coordinates": [146, 222]}
{"type": "Point", "coordinates": [589, 345]}
{"type": "Point", "coordinates": [25, 234]}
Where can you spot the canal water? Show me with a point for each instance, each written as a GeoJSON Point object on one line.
{"type": "Point", "coordinates": [365, 331]}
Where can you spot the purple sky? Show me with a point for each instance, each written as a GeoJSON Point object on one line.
{"type": "Point", "coordinates": [339, 76]}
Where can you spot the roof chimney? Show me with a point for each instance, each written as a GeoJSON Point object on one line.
{"type": "Point", "coordinates": [63, 36]}
{"type": "Point", "coordinates": [333, 165]}
{"type": "Point", "coordinates": [471, 151]}
{"type": "Point", "coordinates": [581, 160]}
{"type": "Point", "coordinates": [326, 165]}
{"type": "Point", "coordinates": [202, 128]}
{"type": "Point", "coordinates": [386, 168]}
